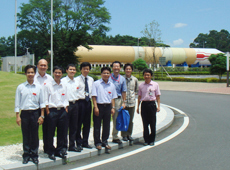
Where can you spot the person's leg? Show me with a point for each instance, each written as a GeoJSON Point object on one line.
{"type": "Point", "coordinates": [34, 143]}
{"type": "Point", "coordinates": [117, 106]}
{"type": "Point", "coordinates": [73, 124]}
{"type": "Point", "coordinates": [152, 122]}
{"type": "Point", "coordinates": [97, 126]}
{"type": "Point", "coordinates": [52, 118]}
{"type": "Point", "coordinates": [145, 121]}
{"type": "Point", "coordinates": [25, 134]}
{"type": "Point", "coordinates": [80, 121]}
{"type": "Point", "coordinates": [45, 133]}
{"type": "Point", "coordinates": [86, 122]}
{"type": "Point", "coordinates": [61, 132]}
{"type": "Point", "coordinates": [106, 124]}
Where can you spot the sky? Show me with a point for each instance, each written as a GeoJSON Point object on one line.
{"type": "Point", "coordinates": [180, 21]}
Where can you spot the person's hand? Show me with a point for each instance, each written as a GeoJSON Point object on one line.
{"type": "Point", "coordinates": [96, 111]}
{"type": "Point", "coordinates": [40, 120]}
{"type": "Point", "coordinates": [158, 109]}
{"type": "Point", "coordinates": [123, 105]}
{"type": "Point", "coordinates": [66, 109]}
{"type": "Point", "coordinates": [47, 111]}
{"type": "Point", "coordinates": [138, 110]}
{"type": "Point", "coordinates": [18, 120]}
{"type": "Point", "coordinates": [112, 111]}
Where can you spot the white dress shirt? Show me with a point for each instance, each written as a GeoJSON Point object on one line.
{"type": "Point", "coordinates": [56, 95]}
{"type": "Point", "coordinates": [29, 97]}
{"type": "Point", "coordinates": [81, 81]}
{"type": "Point", "coordinates": [42, 80]}
{"type": "Point", "coordinates": [72, 88]}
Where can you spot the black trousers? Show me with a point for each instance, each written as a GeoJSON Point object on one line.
{"type": "Point", "coordinates": [148, 114]}
{"type": "Point", "coordinates": [84, 111]}
{"type": "Point", "coordinates": [29, 125]}
{"type": "Point", "coordinates": [105, 115]}
{"type": "Point", "coordinates": [45, 133]}
{"type": "Point", "coordinates": [72, 123]}
{"type": "Point", "coordinates": [57, 118]}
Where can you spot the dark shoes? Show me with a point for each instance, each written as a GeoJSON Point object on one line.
{"type": "Point", "coordinates": [145, 144]}
{"type": "Point", "coordinates": [98, 147]}
{"type": "Point", "coordinates": [35, 160]}
{"type": "Point", "coordinates": [87, 146]}
{"type": "Point", "coordinates": [125, 138]}
{"type": "Point", "coordinates": [61, 155]}
{"type": "Point", "coordinates": [25, 160]}
{"type": "Point", "coordinates": [117, 141]}
{"type": "Point", "coordinates": [151, 143]}
{"type": "Point", "coordinates": [130, 138]}
{"type": "Point", "coordinates": [78, 149]}
{"type": "Point", "coordinates": [52, 157]}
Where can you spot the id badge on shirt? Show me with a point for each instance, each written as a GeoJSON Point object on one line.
{"type": "Point", "coordinates": [150, 92]}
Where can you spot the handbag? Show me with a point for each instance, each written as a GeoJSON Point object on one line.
{"type": "Point", "coordinates": [123, 118]}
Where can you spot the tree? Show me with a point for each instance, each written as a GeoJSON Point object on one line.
{"type": "Point", "coordinates": [218, 64]}
{"type": "Point", "coordinates": [0, 61]}
{"type": "Point", "coordinates": [153, 34]}
{"type": "Point", "coordinates": [219, 40]}
{"type": "Point", "coordinates": [140, 65]}
{"type": "Point", "coordinates": [74, 21]}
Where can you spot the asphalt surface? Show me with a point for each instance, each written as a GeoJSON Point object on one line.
{"type": "Point", "coordinates": [203, 145]}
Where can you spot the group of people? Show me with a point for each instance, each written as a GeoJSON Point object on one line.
{"type": "Point", "coordinates": [65, 104]}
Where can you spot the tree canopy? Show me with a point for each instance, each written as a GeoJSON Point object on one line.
{"type": "Point", "coordinates": [73, 23]}
{"type": "Point", "coordinates": [140, 64]}
{"type": "Point", "coordinates": [219, 40]}
{"type": "Point", "coordinates": [218, 64]}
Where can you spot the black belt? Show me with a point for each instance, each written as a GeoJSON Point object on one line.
{"type": "Point", "coordinates": [57, 108]}
{"type": "Point", "coordinates": [104, 104]}
{"type": "Point", "coordinates": [118, 97]}
{"type": "Point", "coordinates": [72, 102]}
{"type": "Point", "coordinates": [148, 101]}
{"type": "Point", "coordinates": [29, 111]}
{"type": "Point", "coordinates": [82, 100]}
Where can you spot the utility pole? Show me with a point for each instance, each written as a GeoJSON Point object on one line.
{"type": "Point", "coordinates": [227, 68]}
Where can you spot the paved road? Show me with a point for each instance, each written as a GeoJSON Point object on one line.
{"type": "Point", "coordinates": [203, 145]}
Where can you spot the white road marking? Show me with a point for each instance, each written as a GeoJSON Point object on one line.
{"type": "Point", "coordinates": [173, 135]}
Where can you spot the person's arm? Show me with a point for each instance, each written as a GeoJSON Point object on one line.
{"type": "Point", "coordinates": [40, 119]}
{"type": "Point", "coordinates": [158, 103]}
{"type": "Point", "coordinates": [18, 119]}
{"type": "Point", "coordinates": [113, 107]}
{"type": "Point", "coordinates": [96, 110]}
{"type": "Point", "coordinates": [123, 98]}
{"type": "Point", "coordinates": [138, 103]}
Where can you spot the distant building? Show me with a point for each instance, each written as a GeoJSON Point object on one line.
{"type": "Point", "coordinates": [8, 62]}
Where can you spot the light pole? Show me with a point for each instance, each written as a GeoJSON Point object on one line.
{"type": "Point", "coordinates": [51, 37]}
{"type": "Point", "coordinates": [227, 65]}
{"type": "Point", "coordinates": [15, 39]}
{"type": "Point", "coordinates": [138, 46]}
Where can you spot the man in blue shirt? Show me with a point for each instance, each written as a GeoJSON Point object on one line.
{"type": "Point", "coordinates": [103, 95]}
{"type": "Point", "coordinates": [120, 84]}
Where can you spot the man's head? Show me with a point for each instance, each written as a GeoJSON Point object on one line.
{"type": "Point", "coordinates": [85, 68]}
{"type": "Point", "coordinates": [71, 70]}
{"type": "Point", "coordinates": [147, 73]}
{"type": "Point", "coordinates": [116, 66]}
{"type": "Point", "coordinates": [42, 66]}
{"type": "Point", "coordinates": [128, 69]}
{"type": "Point", "coordinates": [57, 72]}
{"type": "Point", "coordinates": [30, 71]}
{"type": "Point", "coordinates": [105, 73]}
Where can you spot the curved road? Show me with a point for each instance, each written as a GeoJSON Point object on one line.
{"type": "Point", "coordinates": [205, 143]}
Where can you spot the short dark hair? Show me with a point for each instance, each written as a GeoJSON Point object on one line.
{"type": "Point", "coordinates": [147, 70]}
{"type": "Point", "coordinates": [116, 62]}
{"type": "Point", "coordinates": [70, 65]}
{"type": "Point", "coordinates": [105, 68]}
{"type": "Point", "coordinates": [85, 64]}
{"type": "Point", "coordinates": [58, 68]}
{"type": "Point", "coordinates": [128, 64]}
{"type": "Point", "coordinates": [30, 66]}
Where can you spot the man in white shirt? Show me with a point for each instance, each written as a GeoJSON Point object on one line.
{"type": "Point", "coordinates": [29, 100]}
{"type": "Point", "coordinates": [56, 101]}
{"type": "Point", "coordinates": [42, 78]}
{"type": "Point", "coordinates": [72, 94]}
{"type": "Point", "coordinates": [84, 105]}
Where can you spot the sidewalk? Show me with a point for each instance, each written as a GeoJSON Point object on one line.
{"type": "Point", "coordinates": [13, 160]}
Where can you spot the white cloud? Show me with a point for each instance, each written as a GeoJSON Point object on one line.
{"type": "Point", "coordinates": [178, 25]}
{"type": "Point", "coordinates": [178, 42]}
